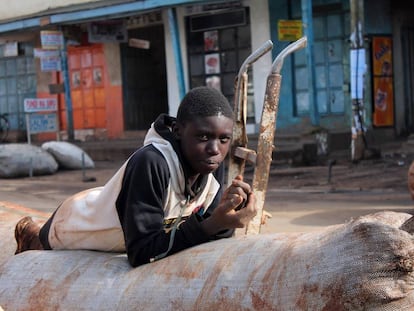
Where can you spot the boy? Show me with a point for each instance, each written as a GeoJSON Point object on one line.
{"type": "Point", "coordinates": [168, 196]}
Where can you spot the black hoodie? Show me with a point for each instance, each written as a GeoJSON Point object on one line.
{"type": "Point", "coordinates": [155, 176]}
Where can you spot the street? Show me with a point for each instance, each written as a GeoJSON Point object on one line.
{"type": "Point", "coordinates": [300, 199]}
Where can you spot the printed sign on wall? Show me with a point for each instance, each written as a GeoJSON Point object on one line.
{"type": "Point", "coordinates": [51, 39]}
{"type": "Point", "coordinates": [107, 31]}
{"type": "Point", "coordinates": [289, 30]}
{"type": "Point", "coordinates": [383, 89]}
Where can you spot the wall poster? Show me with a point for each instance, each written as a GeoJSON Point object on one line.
{"type": "Point", "coordinates": [383, 89]}
{"type": "Point", "coordinates": [211, 41]}
{"type": "Point", "coordinates": [212, 63]}
{"type": "Point", "coordinates": [214, 82]}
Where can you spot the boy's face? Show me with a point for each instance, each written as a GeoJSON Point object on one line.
{"type": "Point", "coordinates": [205, 142]}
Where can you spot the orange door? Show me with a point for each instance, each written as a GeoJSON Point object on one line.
{"type": "Point", "coordinates": [87, 83]}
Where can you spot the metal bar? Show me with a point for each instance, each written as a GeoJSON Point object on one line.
{"type": "Point", "coordinates": [238, 157]}
{"type": "Point", "coordinates": [280, 58]}
{"type": "Point", "coordinates": [267, 133]}
{"type": "Point", "coordinates": [262, 50]}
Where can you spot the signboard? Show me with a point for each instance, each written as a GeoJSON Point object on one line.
{"type": "Point", "coordinates": [108, 31]}
{"type": "Point", "coordinates": [139, 44]}
{"type": "Point", "coordinates": [383, 85]}
{"type": "Point", "coordinates": [39, 123]}
{"type": "Point", "coordinates": [45, 53]}
{"type": "Point", "coordinates": [40, 104]}
{"type": "Point", "coordinates": [49, 59]}
{"type": "Point", "coordinates": [144, 20]}
{"type": "Point", "coordinates": [289, 30]}
{"type": "Point", "coordinates": [56, 88]}
{"type": "Point", "coordinates": [51, 39]}
{"type": "Point", "coordinates": [50, 64]}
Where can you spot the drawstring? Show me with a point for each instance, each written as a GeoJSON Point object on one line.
{"type": "Point", "coordinates": [173, 230]}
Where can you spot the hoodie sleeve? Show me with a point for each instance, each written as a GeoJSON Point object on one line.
{"type": "Point", "coordinates": [140, 209]}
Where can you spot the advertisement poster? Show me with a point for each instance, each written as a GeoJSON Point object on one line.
{"type": "Point", "coordinates": [211, 41]}
{"type": "Point", "coordinates": [383, 91]}
{"type": "Point", "coordinates": [76, 79]}
{"type": "Point", "coordinates": [97, 76]}
{"type": "Point", "coordinates": [382, 56]}
{"type": "Point", "coordinates": [214, 82]}
{"type": "Point", "coordinates": [383, 101]}
{"type": "Point", "coordinates": [212, 63]}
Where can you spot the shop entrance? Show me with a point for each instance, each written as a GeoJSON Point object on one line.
{"type": "Point", "coordinates": [144, 78]}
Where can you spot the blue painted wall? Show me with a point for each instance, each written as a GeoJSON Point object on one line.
{"type": "Point", "coordinates": [377, 21]}
{"type": "Point", "coordinates": [279, 10]}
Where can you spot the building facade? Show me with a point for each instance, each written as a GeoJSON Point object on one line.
{"type": "Point", "coordinates": [121, 63]}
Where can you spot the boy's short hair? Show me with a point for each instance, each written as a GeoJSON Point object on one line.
{"type": "Point", "coordinates": [203, 102]}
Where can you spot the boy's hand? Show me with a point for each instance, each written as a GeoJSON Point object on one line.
{"type": "Point", "coordinates": [236, 209]}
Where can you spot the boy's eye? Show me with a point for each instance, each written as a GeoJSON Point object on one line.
{"type": "Point", "coordinates": [224, 140]}
{"type": "Point", "coordinates": [203, 137]}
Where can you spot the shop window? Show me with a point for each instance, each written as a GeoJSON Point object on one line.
{"type": "Point", "coordinates": [217, 45]}
{"type": "Point", "coordinates": [17, 81]}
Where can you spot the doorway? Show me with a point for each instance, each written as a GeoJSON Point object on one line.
{"type": "Point", "coordinates": [144, 78]}
{"type": "Point", "coordinates": [407, 41]}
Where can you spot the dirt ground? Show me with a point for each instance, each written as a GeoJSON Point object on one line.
{"type": "Point", "coordinates": [309, 198]}
{"type": "Point", "coordinates": [300, 199]}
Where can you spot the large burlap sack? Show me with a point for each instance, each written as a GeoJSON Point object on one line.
{"type": "Point", "coordinates": [20, 160]}
{"type": "Point", "coordinates": [68, 156]}
{"type": "Point", "coordinates": [365, 264]}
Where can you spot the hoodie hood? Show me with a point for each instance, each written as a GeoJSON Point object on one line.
{"type": "Point", "coordinates": [161, 136]}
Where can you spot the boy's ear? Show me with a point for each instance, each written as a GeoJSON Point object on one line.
{"type": "Point", "coordinates": [176, 130]}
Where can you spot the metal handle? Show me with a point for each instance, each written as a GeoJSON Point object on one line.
{"type": "Point", "coordinates": [297, 45]}
{"type": "Point", "coordinates": [266, 47]}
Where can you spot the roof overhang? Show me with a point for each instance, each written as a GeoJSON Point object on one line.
{"type": "Point", "coordinates": [92, 11]}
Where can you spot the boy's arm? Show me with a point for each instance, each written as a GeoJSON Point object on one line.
{"type": "Point", "coordinates": [140, 209]}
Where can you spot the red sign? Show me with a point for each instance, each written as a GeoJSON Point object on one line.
{"type": "Point", "coordinates": [40, 104]}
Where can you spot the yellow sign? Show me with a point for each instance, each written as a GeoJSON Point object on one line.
{"type": "Point", "coordinates": [289, 30]}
